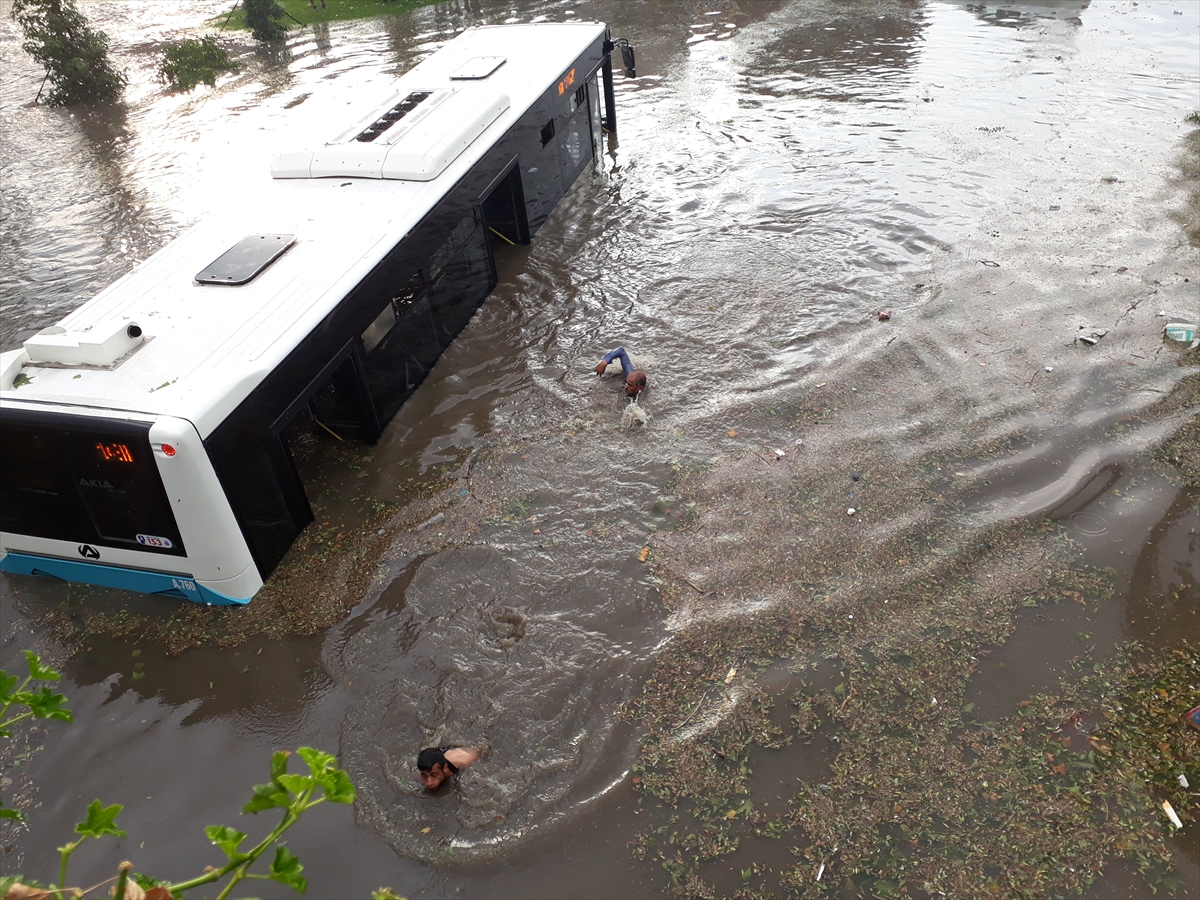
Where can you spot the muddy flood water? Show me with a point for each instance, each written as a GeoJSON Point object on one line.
{"type": "Point", "coordinates": [510, 567]}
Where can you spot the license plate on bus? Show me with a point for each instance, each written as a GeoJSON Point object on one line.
{"type": "Point", "coordinates": [150, 540]}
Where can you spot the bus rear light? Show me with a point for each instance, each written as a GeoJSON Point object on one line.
{"type": "Point", "coordinates": [168, 450]}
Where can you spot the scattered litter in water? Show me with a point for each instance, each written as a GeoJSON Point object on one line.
{"type": "Point", "coordinates": [1181, 331]}
{"type": "Point", "coordinates": [634, 415]}
{"type": "Point", "coordinates": [440, 517]}
{"type": "Point", "coordinates": [1171, 814]}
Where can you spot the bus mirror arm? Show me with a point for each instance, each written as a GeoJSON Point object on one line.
{"type": "Point", "coordinates": [627, 55]}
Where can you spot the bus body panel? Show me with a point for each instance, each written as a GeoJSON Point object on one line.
{"type": "Point", "coordinates": [200, 543]}
{"type": "Point", "coordinates": [137, 580]}
{"type": "Point", "coordinates": [379, 278]}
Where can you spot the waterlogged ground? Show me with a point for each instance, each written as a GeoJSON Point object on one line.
{"type": "Point", "coordinates": [694, 667]}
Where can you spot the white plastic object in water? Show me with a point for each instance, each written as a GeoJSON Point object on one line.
{"type": "Point", "coordinates": [1183, 332]}
{"type": "Point", "coordinates": [634, 415]}
{"type": "Point", "coordinates": [1171, 814]}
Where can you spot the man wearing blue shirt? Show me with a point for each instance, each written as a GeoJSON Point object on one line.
{"type": "Point", "coordinates": [635, 379]}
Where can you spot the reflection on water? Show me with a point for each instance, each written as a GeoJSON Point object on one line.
{"type": "Point", "coordinates": [1024, 15]}
{"type": "Point", "coordinates": [782, 171]}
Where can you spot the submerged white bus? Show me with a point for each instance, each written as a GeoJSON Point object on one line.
{"type": "Point", "coordinates": [143, 439]}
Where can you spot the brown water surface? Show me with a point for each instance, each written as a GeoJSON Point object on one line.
{"type": "Point", "coordinates": [782, 171]}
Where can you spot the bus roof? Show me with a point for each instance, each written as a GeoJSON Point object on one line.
{"type": "Point", "coordinates": [204, 347]}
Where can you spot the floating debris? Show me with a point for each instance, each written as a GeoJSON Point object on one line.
{"type": "Point", "coordinates": [433, 520]}
{"type": "Point", "coordinates": [1171, 814]}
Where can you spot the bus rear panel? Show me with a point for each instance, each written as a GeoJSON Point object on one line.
{"type": "Point", "coordinates": [94, 498]}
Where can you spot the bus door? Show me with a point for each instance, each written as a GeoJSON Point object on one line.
{"type": "Point", "coordinates": [597, 122]}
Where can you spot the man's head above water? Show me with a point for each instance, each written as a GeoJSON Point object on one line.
{"type": "Point", "coordinates": [437, 764]}
{"type": "Point", "coordinates": [635, 383]}
{"type": "Point", "coordinates": [635, 379]}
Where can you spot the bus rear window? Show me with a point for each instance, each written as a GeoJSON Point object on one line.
{"type": "Point", "coordinates": [83, 479]}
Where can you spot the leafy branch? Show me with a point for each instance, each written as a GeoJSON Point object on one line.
{"type": "Point", "coordinates": [40, 704]}
{"type": "Point", "coordinates": [292, 793]}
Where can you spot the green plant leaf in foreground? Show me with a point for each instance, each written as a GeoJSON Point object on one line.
{"type": "Point", "coordinates": [338, 787]}
{"type": "Point", "coordinates": [101, 820]}
{"type": "Point", "coordinates": [46, 704]}
{"type": "Point", "coordinates": [286, 868]}
{"type": "Point", "coordinates": [37, 671]}
{"type": "Point", "coordinates": [228, 839]}
{"type": "Point", "coordinates": [333, 781]}
{"type": "Point", "coordinates": [267, 796]}
{"type": "Point", "coordinates": [7, 684]}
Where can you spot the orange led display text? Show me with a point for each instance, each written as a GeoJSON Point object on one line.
{"type": "Point", "coordinates": [114, 452]}
{"type": "Point", "coordinates": [568, 80]}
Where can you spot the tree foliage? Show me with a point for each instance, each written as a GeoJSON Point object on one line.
{"type": "Point", "coordinates": [289, 792]}
{"type": "Point", "coordinates": [75, 56]}
{"type": "Point", "coordinates": [187, 63]}
{"type": "Point", "coordinates": [263, 18]}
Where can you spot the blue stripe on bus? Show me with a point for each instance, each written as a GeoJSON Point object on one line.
{"type": "Point", "coordinates": [138, 580]}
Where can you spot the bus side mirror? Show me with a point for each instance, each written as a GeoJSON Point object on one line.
{"type": "Point", "coordinates": [628, 59]}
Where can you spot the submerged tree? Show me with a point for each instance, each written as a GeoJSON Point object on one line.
{"type": "Point", "coordinates": [189, 62]}
{"type": "Point", "coordinates": [75, 56]}
{"type": "Point", "coordinates": [263, 18]}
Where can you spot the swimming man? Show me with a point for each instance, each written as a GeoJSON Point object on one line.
{"type": "Point", "coordinates": [436, 764]}
{"type": "Point", "coordinates": [635, 379]}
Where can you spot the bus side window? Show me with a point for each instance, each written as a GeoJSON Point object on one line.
{"type": "Point", "coordinates": [391, 312]}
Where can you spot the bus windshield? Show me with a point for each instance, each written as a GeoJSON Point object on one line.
{"type": "Point", "coordinates": [83, 479]}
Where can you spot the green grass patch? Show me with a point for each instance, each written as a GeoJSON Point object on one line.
{"type": "Point", "coordinates": [301, 12]}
